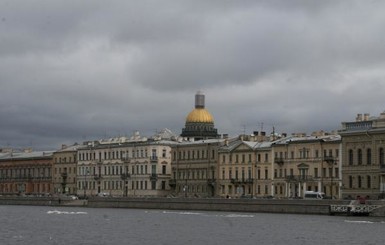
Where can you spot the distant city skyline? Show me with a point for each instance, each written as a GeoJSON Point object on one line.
{"type": "Point", "coordinates": [74, 71]}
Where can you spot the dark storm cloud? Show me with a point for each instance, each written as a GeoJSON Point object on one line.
{"type": "Point", "coordinates": [77, 70]}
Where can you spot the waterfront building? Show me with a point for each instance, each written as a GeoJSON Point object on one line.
{"type": "Point", "coordinates": [135, 166]}
{"type": "Point", "coordinates": [194, 168]}
{"type": "Point", "coordinates": [65, 170]}
{"type": "Point", "coordinates": [363, 157]}
{"type": "Point", "coordinates": [306, 163]}
{"type": "Point", "coordinates": [25, 172]}
{"type": "Point", "coordinates": [236, 167]}
{"type": "Point", "coordinates": [264, 169]}
{"type": "Point", "coordinates": [199, 122]}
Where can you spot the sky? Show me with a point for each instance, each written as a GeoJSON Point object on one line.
{"type": "Point", "coordinates": [72, 71]}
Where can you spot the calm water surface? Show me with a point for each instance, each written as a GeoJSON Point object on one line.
{"type": "Point", "coordinates": [57, 225]}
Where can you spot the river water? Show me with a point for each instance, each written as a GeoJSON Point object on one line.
{"type": "Point", "coordinates": [73, 225]}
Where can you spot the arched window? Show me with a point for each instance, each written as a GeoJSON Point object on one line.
{"type": "Point", "coordinates": [359, 157]}
{"type": "Point", "coordinates": [350, 157]}
{"type": "Point", "coordinates": [368, 156]}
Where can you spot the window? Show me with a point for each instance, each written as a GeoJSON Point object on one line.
{"type": "Point", "coordinates": [368, 156]}
{"type": "Point", "coordinates": [164, 153]}
{"type": "Point", "coordinates": [369, 182]}
{"type": "Point", "coordinates": [359, 181]}
{"type": "Point", "coordinates": [350, 157]}
{"type": "Point", "coordinates": [381, 156]}
{"type": "Point", "coordinates": [359, 157]}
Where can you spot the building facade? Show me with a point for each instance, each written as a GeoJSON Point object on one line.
{"type": "Point", "coordinates": [65, 170]}
{"type": "Point", "coordinates": [363, 157]}
{"type": "Point", "coordinates": [306, 163]}
{"type": "Point", "coordinates": [122, 166]}
{"type": "Point", "coordinates": [236, 168]}
{"type": "Point", "coordinates": [25, 173]}
{"type": "Point", "coordinates": [194, 168]}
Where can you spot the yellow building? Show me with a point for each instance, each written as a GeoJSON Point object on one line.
{"type": "Point", "coordinates": [236, 163]}
{"type": "Point", "coordinates": [194, 168]}
{"type": "Point", "coordinates": [65, 169]}
{"type": "Point", "coordinates": [306, 163]}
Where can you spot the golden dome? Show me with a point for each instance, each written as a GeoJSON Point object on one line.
{"type": "Point", "coordinates": [200, 115]}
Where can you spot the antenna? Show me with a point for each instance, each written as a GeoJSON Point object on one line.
{"type": "Point", "coordinates": [244, 129]}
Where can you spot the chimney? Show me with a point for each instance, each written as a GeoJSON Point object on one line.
{"type": "Point", "coordinates": [366, 117]}
{"type": "Point", "coordinates": [359, 117]}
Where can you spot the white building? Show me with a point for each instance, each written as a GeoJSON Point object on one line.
{"type": "Point", "coordinates": [135, 166]}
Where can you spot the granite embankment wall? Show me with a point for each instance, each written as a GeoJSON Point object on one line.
{"type": "Point", "coordinates": [296, 206]}
{"type": "Point", "coordinates": [233, 205]}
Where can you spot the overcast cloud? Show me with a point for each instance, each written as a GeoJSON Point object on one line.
{"type": "Point", "coordinates": [72, 71]}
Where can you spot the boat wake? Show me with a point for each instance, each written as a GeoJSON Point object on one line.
{"type": "Point", "coordinates": [206, 214]}
{"type": "Point", "coordinates": [359, 221]}
{"type": "Point", "coordinates": [64, 212]}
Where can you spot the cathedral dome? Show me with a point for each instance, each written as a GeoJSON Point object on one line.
{"type": "Point", "coordinates": [199, 115]}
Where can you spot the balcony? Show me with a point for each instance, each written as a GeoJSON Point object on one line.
{"type": "Point", "coordinates": [172, 182]}
{"type": "Point", "coordinates": [382, 168]}
{"type": "Point", "coordinates": [125, 176]}
{"type": "Point", "coordinates": [241, 181]}
{"type": "Point", "coordinates": [299, 178]}
{"type": "Point", "coordinates": [330, 160]}
{"type": "Point", "coordinates": [154, 159]}
{"type": "Point", "coordinates": [125, 159]}
{"type": "Point", "coordinates": [154, 177]}
{"type": "Point", "coordinates": [211, 182]}
{"type": "Point", "coordinates": [279, 160]}
{"type": "Point", "coordinates": [97, 177]}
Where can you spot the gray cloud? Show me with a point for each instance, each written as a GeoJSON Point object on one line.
{"type": "Point", "coordinates": [71, 71]}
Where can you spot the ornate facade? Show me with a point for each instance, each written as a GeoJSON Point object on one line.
{"type": "Point", "coordinates": [306, 163]}
{"type": "Point", "coordinates": [134, 166]}
{"type": "Point", "coordinates": [363, 157]}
